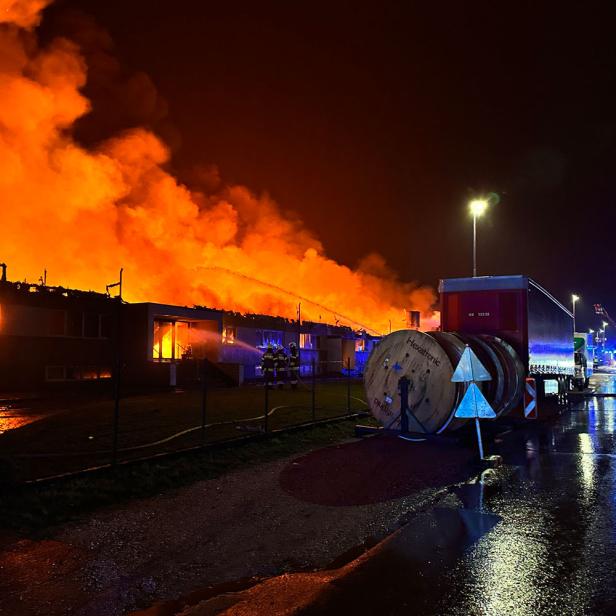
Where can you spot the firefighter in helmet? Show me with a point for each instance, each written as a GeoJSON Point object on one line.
{"type": "Point", "coordinates": [281, 366]}
{"type": "Point", "coordinates": [267, 365]}
{"type": "Point", "coordinates": [293, 365]}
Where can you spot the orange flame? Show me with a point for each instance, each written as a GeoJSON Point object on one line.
{"type": "Point", "coordinates": [83, 214]}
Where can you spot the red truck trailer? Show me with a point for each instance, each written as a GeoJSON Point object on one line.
{"type": "Point", "coordinates": [516, 328]}
{"type": "Point", "coordinates": [520, 312]}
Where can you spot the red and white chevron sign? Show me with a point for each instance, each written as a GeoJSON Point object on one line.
{"type": "Point", "coordinates": [530, 399]}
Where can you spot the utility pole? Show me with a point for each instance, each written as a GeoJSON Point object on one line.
{"type": "Point", "coordinates": [299, 333]}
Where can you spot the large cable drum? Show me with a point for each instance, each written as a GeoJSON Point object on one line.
{"type": "Point", "coordinates": [425, 363]}
{"type": "Point", "coordinates": [428, 361]}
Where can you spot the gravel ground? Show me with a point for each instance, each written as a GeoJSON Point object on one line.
{"type": "Point", "coordinates": [241, 525]}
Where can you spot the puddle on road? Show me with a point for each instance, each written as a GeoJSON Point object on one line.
{"type": "Point", "coordinates": [12, 418]}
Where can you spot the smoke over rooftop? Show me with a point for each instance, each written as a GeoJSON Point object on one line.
{"type": "Point", "coordinates": [84, 212]}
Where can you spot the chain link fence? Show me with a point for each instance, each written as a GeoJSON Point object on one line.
{"type": "Point", "coordinates": [84, 433]}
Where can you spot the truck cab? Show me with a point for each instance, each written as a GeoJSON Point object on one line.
{"type": "Point", "coordinates": [584, 360]}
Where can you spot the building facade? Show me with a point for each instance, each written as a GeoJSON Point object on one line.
{"type": "Point", "coordinates": [51, 336]}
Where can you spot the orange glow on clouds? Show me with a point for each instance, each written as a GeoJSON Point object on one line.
{"type": "Point", "coordinates": [82, 214]}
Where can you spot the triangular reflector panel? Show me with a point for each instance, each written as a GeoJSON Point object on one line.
{"type": "Point", "coordinates": [470, 369]}
{"type": "Point", "coordinates": [474, 404]}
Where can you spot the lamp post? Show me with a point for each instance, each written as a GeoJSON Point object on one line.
{"type": "Point", "coordinates": [477, 208]}
{"type": "Point", "coordinates": [574, 298]}
{"type": "Point", "coordinates": [605, 324]}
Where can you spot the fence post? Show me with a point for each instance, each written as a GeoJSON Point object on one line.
{"type": "Point", "coordinates": [116, 383]}
{"type": "Point", "coordinates": [203, 400]}
{"type": "Point", "coordinates": [314, 388]}
{"type": "Point", "coordinates": [266, 409]}
{"type": "Point", "coordinates": [349, 385]}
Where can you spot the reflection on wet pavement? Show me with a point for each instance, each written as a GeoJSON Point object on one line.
{"type": "Point", "coordinates": [604, 383]}
{"type": "Point", "coordinates": [552, 552]}
{"type": "Point", "coordinates": [12, 417]}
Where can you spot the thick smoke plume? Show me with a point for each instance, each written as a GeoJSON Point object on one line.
{"type": "Point", "coordinates": [84, 213]}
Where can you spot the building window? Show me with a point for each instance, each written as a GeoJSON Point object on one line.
{"type": "Point", "coordinates": [163, 340]}
{"type": "Point", "coordinates": [74, 323]}
{"type": "Point", "coordinates": [306, 341]}
{"type": "Point", "coordinates": [229, 335]}
{"type": "Point", "coordinates": [55, 373]}
{"type": "Point", "coordinates": [360, 345]}
{"type": "Point", "coordinates": [265, 337]}
{"type": "Point", "coordinates": [106, 326]}
{"type": "Point", "coordinates": [91, 327]}
{"type": "Point", "coordinates": [57, 322]}
{"type": "Point", "coordinates": [88, 373]}
{"type": "Point", "coordinates": [172, 340]}
{"type": "Point", "coordinates": [78, 324]}
{"type": "Point", "coordinates": [76, 373]}
{"type": "Point", "coordinates": [183, 346]}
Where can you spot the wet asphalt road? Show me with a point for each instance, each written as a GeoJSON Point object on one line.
{"type": "Point", "coordinates": [538, 536]}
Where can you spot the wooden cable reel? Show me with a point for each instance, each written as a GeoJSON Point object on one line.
{"type": "Point", "coordinates": [428, 361]}
{"type": "Point", "coordinates": [423, 361]}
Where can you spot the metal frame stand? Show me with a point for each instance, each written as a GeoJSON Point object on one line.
{"type": "Point", "coordinates": [405, 411]}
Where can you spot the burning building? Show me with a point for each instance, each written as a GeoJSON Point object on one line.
{"type": "Point", "coordinates": [51, 336]}
{"type": "Point", "coordinates": [326, 348]}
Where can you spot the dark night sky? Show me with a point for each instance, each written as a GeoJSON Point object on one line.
{"type": "Point", "coordinates": [376, 124]}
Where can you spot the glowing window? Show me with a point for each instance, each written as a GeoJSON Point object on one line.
{"type": "Point", "coordinates": [360, 345]}
{"type": "Point", "coordinates": [183, 348]}
{"type": "Point", "coordinates": [228, 335]}
{"type": "Point", "coordinates": [172, 340]}
{"type": "Point", "coordinates": [163, 340]}
{"type": "Point", "coordinates": [306, 341]}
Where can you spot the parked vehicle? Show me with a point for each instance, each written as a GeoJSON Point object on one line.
{"type": "Point", "coordinates": [584, 360]}
{"type": "Point", "coordinates": [515, 328]}
{"type": "Point", "coordinates": [520, 312]}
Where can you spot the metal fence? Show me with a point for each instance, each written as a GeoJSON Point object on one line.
{"type": "Point", "coordinates": [56, 436]}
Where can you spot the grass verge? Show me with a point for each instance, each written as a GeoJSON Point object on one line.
{"type": "Point", "coordinates": [81, 436]}
{"type": "Point", "coordinates": [33, 509]}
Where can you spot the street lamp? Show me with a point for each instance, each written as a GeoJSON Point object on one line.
{"type": "Point", "coordinates": [574, 298]}
{"type": "Point", "coordinates": [477, 208]}
{"type": "Point", "coordinates": [605, 324]}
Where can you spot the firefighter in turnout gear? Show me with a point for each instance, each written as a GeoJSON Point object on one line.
{"type": "Point", "coordinates": [267, 365]}
{"type": "Point", "coordinates": [281, 367]}
{"type": "Point", "coordinates": [293, 365]}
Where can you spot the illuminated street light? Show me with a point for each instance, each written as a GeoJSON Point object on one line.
{"type": "Point", "coordinates": [574, 298]}
{"type": "Point", "coordinates": [477, 208]}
